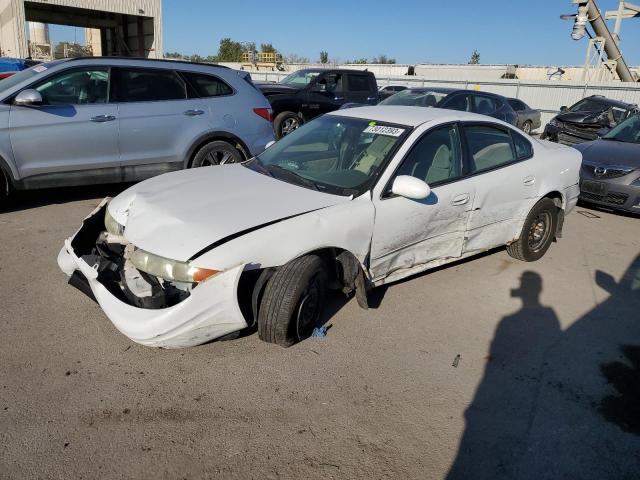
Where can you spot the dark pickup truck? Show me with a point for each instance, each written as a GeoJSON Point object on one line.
{"type": "Point", "coordinates": [307, 93]}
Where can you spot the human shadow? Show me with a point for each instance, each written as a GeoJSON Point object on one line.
{"type": "Point", "coordinates": [559, 404]}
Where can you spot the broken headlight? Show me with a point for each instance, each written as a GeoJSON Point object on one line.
{"type": "Point", "coordinates": [170, 270]}
{"type": "Point", "coordinates": [111, 224]}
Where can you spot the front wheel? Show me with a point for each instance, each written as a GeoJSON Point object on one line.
{"type": "Point", "coordinates": [218, 152]}
{"type": "Point", "coordinates": [293, 301]}
{"type": "Point", "coordinates": [285, 123]}
{"type": "Point", "coordinates": [537, 233]}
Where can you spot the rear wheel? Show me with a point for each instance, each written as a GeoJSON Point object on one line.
{"type": "Point", "coordinates": [537, 233]}
{"type": "Point", "coordinates": [285, 123]}
{"type": "Point", "coordinates": [293, 301]}
{"type": "Point", "coordinates": [527, 127]}
{"type": "Point", "coordinates": [218, 152]}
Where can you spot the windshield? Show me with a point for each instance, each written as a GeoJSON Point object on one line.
{"type": "Point", "coordinates": [415, 98]}
{"type": "Point", "coordinates": [627, 131]}
{"type": "Point", "coordinates": [19, 77]}
{"type": "Point", "coordinates": [588, 105]}
{"type": "Point", "coordinates": [333, 154]}
{"type": "Point", "coordinates": [299, 78]}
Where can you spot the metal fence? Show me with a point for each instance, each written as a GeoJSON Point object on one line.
{"type": "Point", "coordinates": [546, 96]}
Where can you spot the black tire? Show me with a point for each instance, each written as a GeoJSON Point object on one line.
{"type": "Point", "coordinates": [285, 123]}
{"type": "Point", "coordinates": [538, 232]}
{"type": "Point", "coordinates": [217, 152]}
{"type": "Point", "coordinates": [5, 188]}
{"type": "Point", "coordinates": [293, 301]}
{"type": "Point", "coordinates": [527, 127]}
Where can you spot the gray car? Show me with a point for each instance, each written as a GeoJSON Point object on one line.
{"type": "Point", "coordinates": [102, 120]}
{"type": "Point", "coordinates": [610, 174]}
{"type": "Point", "coordinates": [529, 119]}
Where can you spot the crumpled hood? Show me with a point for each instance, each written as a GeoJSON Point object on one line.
{"type": "Point", "coordinates": [176, 215]}
{"type": "Point", "coordinates": [611, 152]}
{"type": "Point", "coordinates": [582, 117]}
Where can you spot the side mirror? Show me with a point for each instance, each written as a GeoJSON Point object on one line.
{"type": "Point", "coordinates": [410, 187]}
{"type": "Point", "coordinates": [319, 88]}
{"type": "Point", "coordinates": [272, 142]}
{"type": "Point", "coordinates": [564, 108]}
{"type": "Point", "coordinates": [28, 98]}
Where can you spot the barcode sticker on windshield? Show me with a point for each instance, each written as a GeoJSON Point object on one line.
{"type": "Point", "coordinates": [381, 130]}
{"type": "Point", "coordinates": [39, 68]}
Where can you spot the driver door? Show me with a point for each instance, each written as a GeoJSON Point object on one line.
{"type": "Point", "coordinates": [412, 235]}
{"type": "Point", "coordinates": [324, 95]}
{"type": "Point", "coordinates": [74, 129]}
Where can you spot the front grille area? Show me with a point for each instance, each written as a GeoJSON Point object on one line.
{"type": "Point", "coordinates": [611, 198]}
{"type": "Point", "coordinates": [610, 172]}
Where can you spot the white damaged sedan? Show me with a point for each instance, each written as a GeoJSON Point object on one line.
{"type": "Point", "coordinates": [353, 200]}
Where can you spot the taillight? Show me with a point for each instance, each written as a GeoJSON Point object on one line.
{"type": "Point", "coordinates": [265, 113]}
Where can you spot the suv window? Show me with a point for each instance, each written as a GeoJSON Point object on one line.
{"type": "Point", "coordinates": [148, 85]}
{"type": "Point", "coordinates": [207, 85]}
{"type": "Point", "coordinates": [76, 87]}
{"type": "Point", "coordinates": [458, 102]}
{"type": "Point", "coordinates": [358, 83]}
{"type": "Point", "coordinates": [484, 105]}
{"type": "Point", "coordinates": [489, 147]}
{"type": "Point", "coordinates": [436, 157]}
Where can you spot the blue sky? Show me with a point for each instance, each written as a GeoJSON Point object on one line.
{"type": "Point", "coordinates": [411, 31]}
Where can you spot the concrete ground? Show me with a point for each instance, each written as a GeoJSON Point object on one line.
{"type": "Point", "coordinates": [547, 382]}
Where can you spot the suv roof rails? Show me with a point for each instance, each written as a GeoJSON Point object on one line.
{"type": "Point", "coordinates": [170, 60]}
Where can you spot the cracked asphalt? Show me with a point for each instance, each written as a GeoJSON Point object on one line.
{"type": "Point", "coordinates": [546, 384]}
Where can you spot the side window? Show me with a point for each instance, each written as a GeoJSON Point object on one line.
{"type": "Point", "coordinates": [523, 146]}
{"type": "Point", "coordinates": [358, 83]}
{"type": "Point", "coordinates": [458, 102]}
{"type": "Point", "coordinates": [484, 105]}
{"type": "Point", "coordinates": [149, 85]}
{"type": "Point", "coordinates": [332, 83]}
{"type": "Point", "coordinates": [489, 147]}
{"type": "Point", "coordinates": [207, 85]}
{"type": "Point", "coordinates": [77, 87]}
{"type": "Point", "coordinates": [436, 157]}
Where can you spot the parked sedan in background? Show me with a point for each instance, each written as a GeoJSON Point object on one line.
{"type": "Point", "coordinates": [610, 174]}
{"type": "Point", "coordinates": [590, 118]}
{"type": "Point", "coordinates": [484, 103]}
{"type": "Point", "coordinates": [529, 119]}
{"type": "Point", "coordinates": [354, 199]}
{"type": "Point", "coordinates": [389, 90]}
{"type": "Point", "coordinates": [11, 66]}
{"type": "Point", "coordinates": [100, 120]}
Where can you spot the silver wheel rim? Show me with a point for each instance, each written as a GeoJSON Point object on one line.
{"type": "Point", "coordinates": [218, 156]}
{"type": "Point", "coordinates": [526, 128]}
{"type": "Point", "coordinates": [289, 125]}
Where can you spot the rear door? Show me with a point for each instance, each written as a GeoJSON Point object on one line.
{"type": "Point", "coordinates": [499, 162]}
{"type": "Point", "coordinates": [361, 89]}
{"type": "Point", "coordinates": [158, 122]}
{"type": "Point", "coordinates": [74, 129]}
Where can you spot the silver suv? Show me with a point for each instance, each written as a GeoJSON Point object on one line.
{"type": "Point", "coordinates": [102, 120]}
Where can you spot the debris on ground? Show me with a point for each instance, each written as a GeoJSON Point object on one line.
{"type": "Point", "coordinates": [456, 360]}
{"type": "Point", "coordinates": [319, 332]}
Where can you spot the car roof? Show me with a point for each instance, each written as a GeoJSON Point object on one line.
{"type": "Point", "coordinates": [409, 116]}
{"type": "Point", "coordinates": [137, 60]}
{"type": "Point", "coordinates": [434, 89]}
{"type": "Point", "coordinates": [610, 101]}
{"type": "Point", "coordinates": [329, 69]}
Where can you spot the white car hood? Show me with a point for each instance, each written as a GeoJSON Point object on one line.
{"type": "Point", "coordinates": [177, 215]}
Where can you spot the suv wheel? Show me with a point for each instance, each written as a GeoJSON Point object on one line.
{"type": "Point", "coordinates": [216, 153]}
{"type": "Point", "coordinates": [293, 301]}
{"type": "Point", "coordinates": [537, 233]}
{"type": "Point", "coordinates": [285, 123]}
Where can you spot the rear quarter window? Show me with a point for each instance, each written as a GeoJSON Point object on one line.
{"type": "Point", "coordinates": [206, 85]}
{"type": "Point", "coordinates": [358, 83]}
{"type": "Point", "coordinates": [524, 149]}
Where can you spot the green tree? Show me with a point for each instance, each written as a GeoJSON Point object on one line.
{"type": "Point", "coordinates": [229, 51]}
{"type": "Point", "coordinates": [174, 55]}
{"type": "Point", "coordinates": [475, 58]}
{"type": "Point", "coordinates": [267, 48]}
{"type": "Point", "coordinates": [361, 61]}
{"type": "Point", "coordinates": [295, 58]}
{"type": "Point", "coordinates": [383, 59]}
{"type": "Point", "coordinates": [324, 57]}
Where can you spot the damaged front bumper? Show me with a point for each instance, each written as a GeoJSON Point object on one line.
{"type": "Point", "coordinates": [210, 310]}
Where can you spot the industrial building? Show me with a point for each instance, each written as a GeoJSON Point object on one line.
{"type": "Point", "coordinates": [112, 27]}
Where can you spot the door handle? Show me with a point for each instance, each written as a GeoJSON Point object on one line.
{"type": "Point", "coordinates": [461, 199]}
{"type": "Point", "coordinates": [103, 118]}
{"type": "Point", "coordinates": [194, 113]}
{"type": "Point", "coordinates": [529, 180]}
